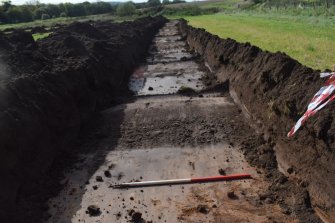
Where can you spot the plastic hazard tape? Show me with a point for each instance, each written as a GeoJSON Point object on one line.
{"type": "Point", "coordinates": [320, 100]}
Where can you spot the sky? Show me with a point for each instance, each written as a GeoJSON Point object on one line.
{"type": "Point", "coordinates": [21, 2]}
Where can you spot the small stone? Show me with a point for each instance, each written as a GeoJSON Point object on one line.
{"type": "Point", "coordinates": [150, 89]}
{"type": "Point", "coordinates": [95, 187]}
{"type": "Point", "coordinates": [99, 178]}
{"type": "Point", "coordinates": [203, 209]}
{"type": "Point", "coordinates": [93, 210]}
{"type": "Point", "coordinates": [222, 172]}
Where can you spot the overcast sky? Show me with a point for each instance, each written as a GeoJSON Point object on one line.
{"type": "Point", "coordinates": [21, 2]}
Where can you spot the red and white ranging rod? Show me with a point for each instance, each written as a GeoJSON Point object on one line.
{"type": "Point", "coordinates": [184, 181]}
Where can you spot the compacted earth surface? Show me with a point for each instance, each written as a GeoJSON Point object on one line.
{"type": "Point", "coordinates": [179, 123]}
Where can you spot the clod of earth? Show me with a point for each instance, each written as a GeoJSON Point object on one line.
{"type": "Point", "coordinates": [186, 91]}
{"type": "Point", "coordinates": [222, 172]}
{"type": "Point", "coordinates": [93, 210]}
{"type": "Point", "coordinates": [136, 217]}
{"type": "Point", "coordinates": [99, 179]}
{"type": "Point", "coordinates": [231, 194]}
{"type": "Point", "coordinates": [202, 208]}
{"type": "Point", "coordinates": [107, 173]}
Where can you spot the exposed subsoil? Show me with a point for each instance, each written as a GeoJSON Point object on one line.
{"type": "Point", "coordinates": [198, 106]}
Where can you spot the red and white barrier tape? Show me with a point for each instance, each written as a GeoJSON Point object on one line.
{"type": "Point", "coordinates": [320, 99]}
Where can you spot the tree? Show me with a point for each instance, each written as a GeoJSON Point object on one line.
{"type": "Point", "coordinates": [6, 5]}
{"type": "Point", "coordinates": [53, 10]}
{"type": "Point", "coordinates": [126, 9]}
{"type": "Point", "coordinates": [154, 3]}
{"type": "Point", "coordinates": [166, 2]}
{"type": "Point", "coordinates": [178, 1]}
{"type": "Point", "coordinates": [39, 12]}
{"type": "Point", "coordinates": [26, 14]}
{"type": "Point", "coordinates": [73, 10]}
{"type": "Point", "coordinates": [13, 14]}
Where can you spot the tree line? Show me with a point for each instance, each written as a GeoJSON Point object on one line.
{"type": "Point", "coordinates": [10, 13]}
{"type": "Point", "coordinates": [35, 10]}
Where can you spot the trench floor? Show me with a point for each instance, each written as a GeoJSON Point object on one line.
{"type": "Point", "coordinates": [161, 135]}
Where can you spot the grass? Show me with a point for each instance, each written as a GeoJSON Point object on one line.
{"type": "Point", "coordinates": [310, 40]}
{"type": "Point", "coordinates": [38, 36]}
{"type": "Point", "coordinates": [220, 4]}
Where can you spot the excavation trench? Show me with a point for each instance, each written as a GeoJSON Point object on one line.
{"type": "Point", "coordinates": [158, 134]}
{"type": "Point", "coordinates": [85, 101]}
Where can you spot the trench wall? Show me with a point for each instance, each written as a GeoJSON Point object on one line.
{"type": "Point", "coordinates": [52, 87]}
{"type": "Point", "coordinates": [274, 90]}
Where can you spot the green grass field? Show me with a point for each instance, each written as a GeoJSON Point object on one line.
{"type": "Point", "coordinates": [221, 4]}
{"type": "Point", "coordinates": [310, 40]}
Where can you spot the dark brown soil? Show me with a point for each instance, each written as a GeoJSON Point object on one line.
{"type": "Point", "coordinates": [273, 90]}
{"type": "Point", "coordinates": [50, 90]}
